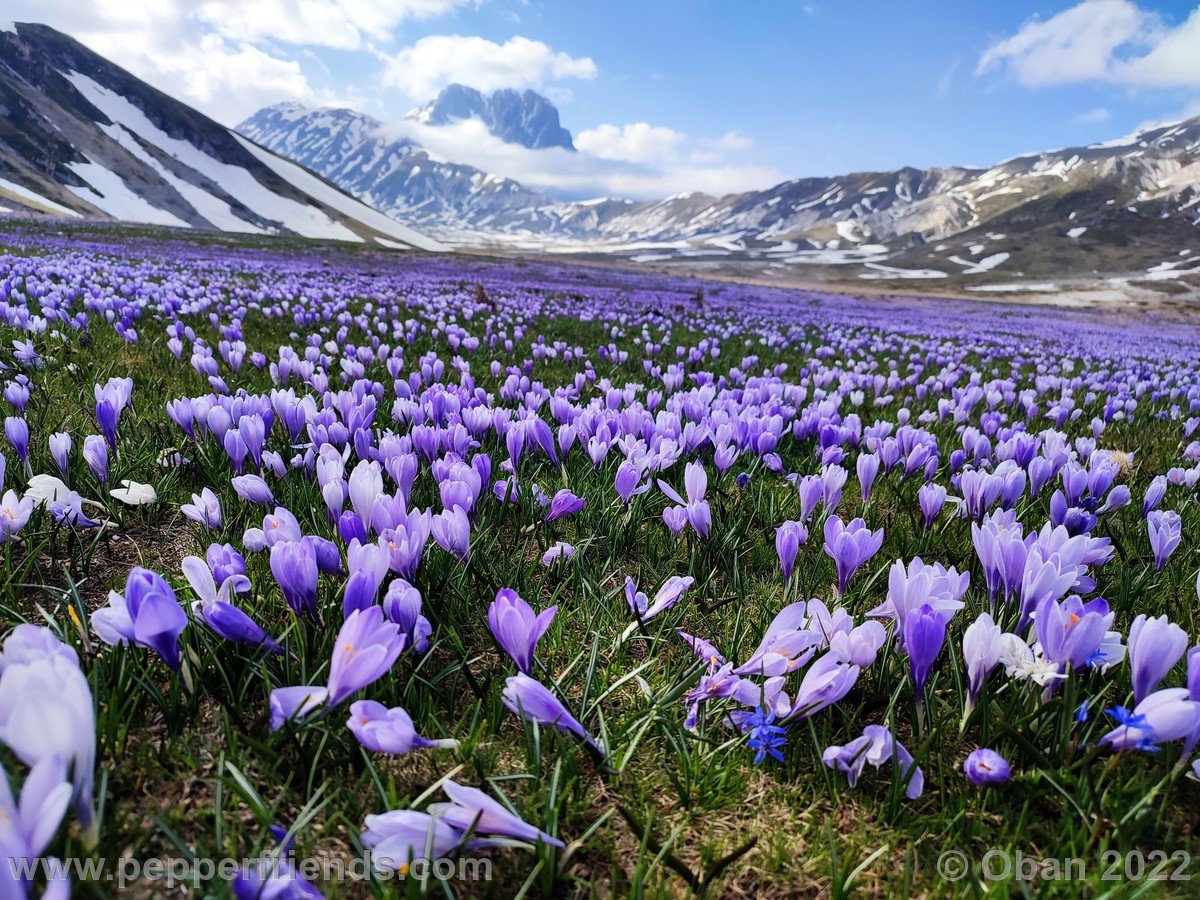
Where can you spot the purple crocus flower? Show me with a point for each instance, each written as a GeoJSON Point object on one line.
{"type": "Point", "coordinates": [833, 479]}
{"type": "Point", "coordinates": [366, 647]}
{"type": "Point", "coordinates": [294, 565]}
{"type": "Point", "coordinates": [399, 837]}
{"type": "Point", "coordinates": [451, 530]}
{"type": "Point", "coordinates": [253, 489]}
{"type": "Point", "coordinates": [703, 649]}
{"type": "Point", "coordinates": [564, 503]}
{"type": "Point", "coordinates": [14, 514]}
{"type": "Point", "coordinates": [225, 562]}
{"type": "Point", "coordinates": [273, 878]}
{"type": "Point", "coordinates": [16, 430]}
{"type": "Point", "coordinates": [17, 393]}
{"type": "Point", "coordinates": [60, 450]}
{"type": "Point", "coordinates": [147, 614]}
{"type": "Point", "coordinates": [675, 518]}
{"type": "Point", "coordinates": [810, 489]}
{"type": "Point", "coordinates": [984, 766]}
{"type": "Point", "coordinates": [1071, 632]}
{"type": "Point", "coordinates": [629, 474]}
{"type": "Point", "coordinates": [860, 645]}
{"type": "Point", "coordinates": [788, 538]}
{"type": "Point", "coordinates": [786, 645]}
{"type": "Point", "coordinates": [368, 566]}
{"type": "Point", "coordinates": [288, 703]}
{"type": "Point", "coordinates": [215, 609]}
{"type": "Point", "coordinates": [402, 605]}
{"type": "Point", "coordinates": [205, 508]}
{"type": "Point", "coordinates": [28, 825]}
{"type": "Point", "coordinates": [181, 413]}
{"type": "Point", "coordinates": [850, 546]}
{"type": "Point", "coordinates": [695, 509]}
{"type": "Point", "coordinates": [924, 635]}
{"type": "Point", "coordinates": [383, 730]}
{"type": "Point", "coordinates": [111, 400]}
{"type": "Point", "coordinates": [666, 596]}
{"type": "Point", "coordinates": [1155, 646]}
{"type": "Point", "coordinates": [471, 810]}
{"type": "Point", "coordinates": [867, 467]}
{"type": "Point", "coordinates": [533, 701]}
{"type": "Point", "coordinates": [517, 628]}
{"type": "Point", "coordinates": [47, 712]}
{"type": "Point", "coordinates": [559, 550]}
{"type": "Point", "coordinates": [405, 540]}
{"type": "Point", "coordinates": [107, 417]}
{"type": "Point", "coordinates": [68, 508]}
{"type": "Point", "coordinates": [95, 454]}
{"type": "Point", "coordinates": [931, 497]}
{"type": "Point", "coordinates": [1165, 534]}
{"type": "Point", "coordinates": [826, 682]}
{"type": "Point", "coordinates": [1154, 495]}
{"type": "Point", "coordinates": [876, 746]}
{"type": "Point", "coordinates": [1167, 715]}
{"type": "Point", "coordinates": [983, 646]}
{"type": "Point", "coordinates": [717, 683]}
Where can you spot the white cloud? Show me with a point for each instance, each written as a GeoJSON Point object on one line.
{"type": "Point", "coordinates": [228, 58]}
{"type": "Point", "coordinates": [1099, 114]}
{"type": "Point", "coordinates": [1174, 59]}
{"type": "Point", "coordinates": [639, 142]}
{"type": "Point", "coordinates": [1112, 41]}
{"type": "Point", "coordinates": [586, 173]}
{"type": "Point", "coordinates": [731, 140]}
{"type": "Point", "coordinates": [424, 68]}
{"type": "Point", "coordinates": [223, 56]}
{"type": "Point", "coordinates": [341, 24]}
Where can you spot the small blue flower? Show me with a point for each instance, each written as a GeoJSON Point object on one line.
{"type": "Point", "coordinates": [1081, 714]}
{"type": "Point", "coordinates": [765, 737]}
{"type": "Point", "coordinates": [1127, 718]}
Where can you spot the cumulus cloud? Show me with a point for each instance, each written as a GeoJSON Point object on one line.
{"type": "Point", "coordinates": [681, 167]}
{"type": "Point", "coordinates": [229, 58]}
{"type": "Point", "coordinates": [1111, 41]}
{"type": "Point", "coordinates": [639, 142]}
{"type": "Point", "coordinates": [422, 69]}
{"type": "Point", "coordinates": [224, 56]}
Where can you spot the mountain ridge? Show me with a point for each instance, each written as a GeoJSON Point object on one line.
{"type": "Point", "coordinates": [1148, 181]}
{"type": "Point", "coordinates": [83, 137]}
{"type": "Point", "coordinates": [525, 118]}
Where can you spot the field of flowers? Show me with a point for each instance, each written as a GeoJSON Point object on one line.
{"type": "Point", "coordinates": [621, 584]}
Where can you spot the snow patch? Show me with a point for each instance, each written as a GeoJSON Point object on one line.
{"type": "Point", "coordinates": [23, 193]}
{"type": "Point", "coordinates": [335, 199]}
{"type": "Point", "coordinates": [975, 267]}
{"type": "Point", "coordinates": [1043, 287]}
{"type": "Point", "coordinates": [889, 272]}
{"type": "Point", "coordinates": [235, 181]}
{"type": "Point", "coordinates": [108, 192]}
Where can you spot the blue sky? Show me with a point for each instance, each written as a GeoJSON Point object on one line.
{"type": "Point", "coordinates": [666, 95]}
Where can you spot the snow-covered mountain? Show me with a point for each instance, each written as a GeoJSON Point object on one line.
{"type": "Point", "coordinates": [394, 174]}
{"type": "Point", "coordinates": [83, 137]}
{"type": "Point", "coordinates": [862, 216]}
{"type": "Point", "coordinates": [523, 118]}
